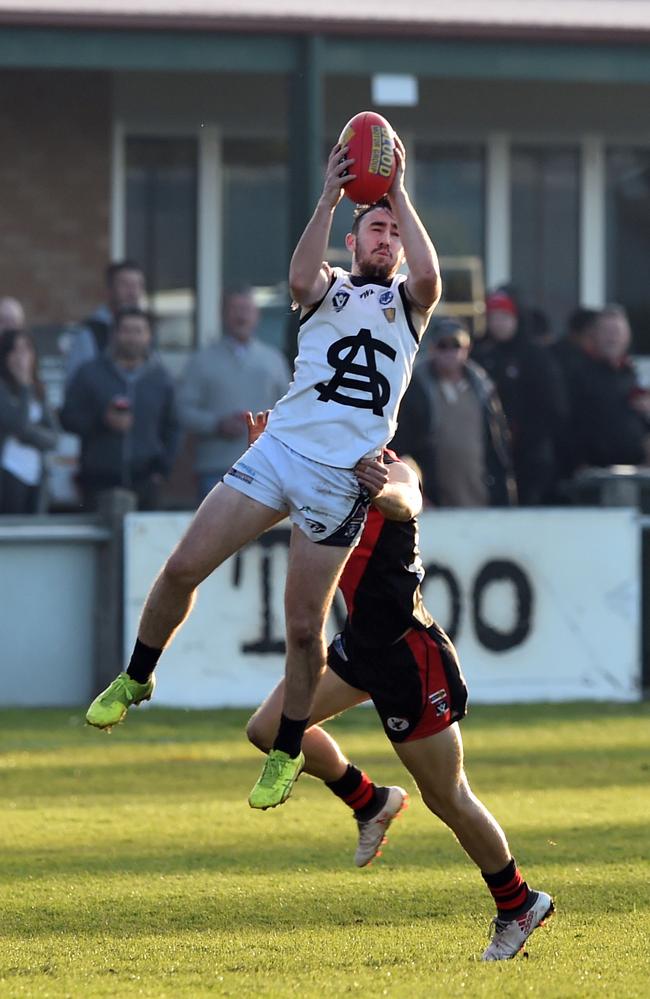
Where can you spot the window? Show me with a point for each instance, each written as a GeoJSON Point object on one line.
{"type": "Point", "coordinates": [544, 229]}
{"type": "Point", "coordinates": [450, 197]}
{"type": "Point", "coordinates": [628, 238]}
{"type": "Point", "coordinates": [256, 228]}
{"type": "Point", "coordinates": [161, 212]}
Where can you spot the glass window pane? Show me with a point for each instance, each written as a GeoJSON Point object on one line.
{"type": "Point", "coordinates": [544, 229]}
{"type": "Point", "coordinates": [628, 238]}
{"type": "Point", "coordinates": [256, 228]}
{"type": "Point", "coordinates": [161, 209]}
{"type": "Point", "coordinates": [450, 197]}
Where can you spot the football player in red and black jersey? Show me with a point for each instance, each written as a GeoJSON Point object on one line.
{"type": "Point", "coordinates": [392, 651]}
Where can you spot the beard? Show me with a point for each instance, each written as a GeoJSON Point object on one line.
{"type": "Point", "coordinates": [375, 270]}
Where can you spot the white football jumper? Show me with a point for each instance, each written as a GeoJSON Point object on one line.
{"type": "Point", "coordinates": [356, 349]}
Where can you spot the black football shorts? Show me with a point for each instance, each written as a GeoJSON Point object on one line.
{"type": "Point", "coordinates": [416, 684]}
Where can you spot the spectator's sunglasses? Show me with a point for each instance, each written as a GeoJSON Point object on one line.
{"type": "Point", "coordinates": [451, 344]}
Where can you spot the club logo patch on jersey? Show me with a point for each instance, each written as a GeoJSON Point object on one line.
{"type": "Point", "coordinates": [386, 297]}
{"type": "Point", "coordinates": [340, 300]}
{"type": "Point", "coordinates": [390, 314]}
{"type": "Point", "coordinates": [397, 724]}
{"type": "Point", "coordinates": [363, 378]}
{"type": "Point", "coordinates": [367, 293]}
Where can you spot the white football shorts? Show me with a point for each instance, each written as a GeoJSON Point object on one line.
{"type": "Point", "coordinates": [326, 503]}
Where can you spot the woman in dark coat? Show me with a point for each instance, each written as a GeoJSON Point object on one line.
{"type": "Point", "coordinates": [27, 426]}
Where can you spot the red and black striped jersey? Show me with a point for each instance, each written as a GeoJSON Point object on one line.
{"type": "Point", "coordinates": [381, 581]}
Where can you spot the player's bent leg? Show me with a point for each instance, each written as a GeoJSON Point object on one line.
{"type": "Point", "coordinates": [320, 754]}
{"type": "Point", "coordinates": [225, 521]}
{"type": "Point", "coordinates": [323, 756]}
{"type": "Point", "coordinates": [436, 763]}
{"type": "Point", "coordinates": [376, 807]}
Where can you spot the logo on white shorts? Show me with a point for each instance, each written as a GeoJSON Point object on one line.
{"type": "Point", "coordinates": [397, 724]}
{"type": "Point", "coordinates": [315, 526]}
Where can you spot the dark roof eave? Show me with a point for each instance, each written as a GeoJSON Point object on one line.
{"type": "Point", "coordinates": [331, 26]}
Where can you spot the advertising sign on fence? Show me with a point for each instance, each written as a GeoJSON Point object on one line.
{"type": "Point", "coordinates": [543, 606]}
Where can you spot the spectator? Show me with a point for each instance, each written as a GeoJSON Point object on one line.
{"type": "Point", "coordinates": [610, 409]}
{"type": "Point", "coordinates": [222, 381]}
{"type": "Point", "coordinates": [125, 289]}
{"type": "Point", "coordinates": [122, 406]}
{"type": "Point", "coordinates": [27, 426]}
{"type": "Point", "coordinates": [572, 349]}
{"type": "Point", "coordinates": [12, 314]}
{"type": "Point", "coordinates": [572, 353]}
{"type": "Point", "coordinates": [452, 424]}
{"type": "Point", "coordinates": [532, 393]}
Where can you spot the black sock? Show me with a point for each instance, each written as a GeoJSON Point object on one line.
{"type": "Point", "coordinates": [143, 661]}
{"type": "Point", "coordinates": [290, 733]}
{"type": "Point", "coordinates": [357, 790]}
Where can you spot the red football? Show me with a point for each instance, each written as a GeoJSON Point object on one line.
{"type": "Point", "coordinates": [371, 143]}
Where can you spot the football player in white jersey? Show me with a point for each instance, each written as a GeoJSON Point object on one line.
{"type": "Point", "coordinates": [336, 411]}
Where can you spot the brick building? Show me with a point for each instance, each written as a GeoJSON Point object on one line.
{"type": "Point", "coordinates": [191, 136]}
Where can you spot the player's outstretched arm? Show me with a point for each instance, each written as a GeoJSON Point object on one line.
{"type": "Point", "coordinates": [423, 284]}
{"type": "Point", "coordinates": [309, 273]}
{"type": "Point", "coordinates": [394, 489]}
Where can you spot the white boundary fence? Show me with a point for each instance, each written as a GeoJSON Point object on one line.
{"type": "Point", "coordinates": [544, 605]}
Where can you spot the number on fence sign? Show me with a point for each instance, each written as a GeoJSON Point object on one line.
{"type": "Point", "coordinates": [494, 571]}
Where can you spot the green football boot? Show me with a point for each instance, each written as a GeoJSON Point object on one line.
{"type": "Point", "coordinates": [110, 707]}
{"type": "Point", "coordinates": [276, 781]}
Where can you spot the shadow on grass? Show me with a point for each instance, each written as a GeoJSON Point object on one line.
{"type": "Point", "coordinates": [182, 773]}
{"type": "Point", "coordinates": [284, 850]}
{"type": "Point", "coordinates": [21, 725]}
{"type": "Point", "coordinates": [291, 904]}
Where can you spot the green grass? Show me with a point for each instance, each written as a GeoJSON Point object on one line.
{"type": "Point", "coordinates": [131, 865]}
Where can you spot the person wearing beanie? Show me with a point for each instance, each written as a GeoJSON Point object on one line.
{"type": "Point", "coordinates": [532, 393]}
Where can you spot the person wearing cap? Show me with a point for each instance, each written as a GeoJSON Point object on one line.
{"type": "Point", "coordinates": [533, 395]}
{"type": "Point", "coordinates": [452, 424]}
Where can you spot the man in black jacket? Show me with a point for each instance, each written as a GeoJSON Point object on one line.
{"type": "Point", "coordinates": [452, 424]}
{"type": "Point", "coordinates": [610, 416]}
{"type": "Point", "coordinates": [122, 406]}
{"type": "Point", "coordinates": [533, 395]}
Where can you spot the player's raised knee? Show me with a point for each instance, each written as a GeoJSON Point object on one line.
{"type": "Point", "coordinates": [258, 732]}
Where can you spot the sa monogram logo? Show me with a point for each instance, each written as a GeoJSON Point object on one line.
{"type": "Point", "coordinates": [360, 377]}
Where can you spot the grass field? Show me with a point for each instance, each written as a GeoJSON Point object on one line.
{"type": "Point", "coordinates": [131, 864]}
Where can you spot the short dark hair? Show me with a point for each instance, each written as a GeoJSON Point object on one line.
{"type": "Point", "coordinates": [361, 210]}
{"type": "Point", "coordinates": [118, 266]}
{"type": "Point", "coordinates": [133, 310]}
{"type": "Point", "coordinates": [581, 319]}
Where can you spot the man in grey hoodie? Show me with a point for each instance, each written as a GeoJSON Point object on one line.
{"type": "Point", "coordinates": [122, 406]}
{"type": "Point", "coordinates": [224, 380]}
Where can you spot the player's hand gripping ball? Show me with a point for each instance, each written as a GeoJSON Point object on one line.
{"type": "Point", "coordinates": [371, 143]}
